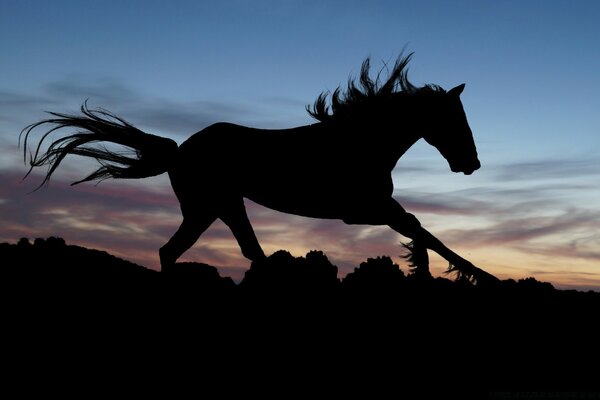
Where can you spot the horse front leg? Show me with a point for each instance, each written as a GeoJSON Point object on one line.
{"type": "Point", "coordinates": [462, 267]}
{"type": "Point", "coordinates": [408, 225]}
{"type": "Point", "coordinates": [386, 211]}
{"type": "Point", "coordinates": [418, 258]}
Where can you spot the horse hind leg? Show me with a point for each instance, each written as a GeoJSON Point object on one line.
{"type": "Point", "coordinates": [235, 217]}
{"type": "Point", "coordinates": [188, 233]}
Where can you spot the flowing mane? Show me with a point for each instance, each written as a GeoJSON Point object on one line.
{"type": "Point", "coordinates": [366, 92]}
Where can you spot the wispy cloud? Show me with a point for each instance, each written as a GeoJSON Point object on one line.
{"type": "Point", "coordinates": [172, 118]}
{"type": "Point", "coordinates": [113, 214]}
{"type": "Point", "coordinates": [103, 90]}
{"type": "Point", "coordinates": [529, 229]}
{"type": "Point", "coordinates": [559, 168]}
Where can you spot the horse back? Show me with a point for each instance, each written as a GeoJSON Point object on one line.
{"type": "Point", "coordinates": [305, 170]}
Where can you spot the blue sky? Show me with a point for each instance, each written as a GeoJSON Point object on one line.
{"type": "Point", "coordinates": [172, 68]}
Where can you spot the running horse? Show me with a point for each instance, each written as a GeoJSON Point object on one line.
{"type": "Point", "coordinates": [337, 168]}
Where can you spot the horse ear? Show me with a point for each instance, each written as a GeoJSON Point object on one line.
{"type": "Point", "coordinates": [457, 90]}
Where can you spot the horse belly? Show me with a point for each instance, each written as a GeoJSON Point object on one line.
{"type": "Point", "coordinates": [302, 204]}
{"type": "Point", "coordinates": [318, 186]}
{"type": "Point", "coordinates": [311, 195]}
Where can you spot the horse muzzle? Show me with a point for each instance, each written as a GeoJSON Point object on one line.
{"type": "Point", "coordinates": [466, 169]}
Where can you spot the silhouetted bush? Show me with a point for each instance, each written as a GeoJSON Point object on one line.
{"type": "Point", "coordinates": [192, 276]}
{"type": "Point", "coordinates": [532, 284]}
{"type": "Point", "coordinates": [284, 273]}
{"type": "Point", "coordinates": [377, 275]}
{"type": "Point", "coordinates": [55, 242]}
{"type": "Point", "coordinates": [52, 266]}
{"type": "Point", "coordinates": [23, 243]}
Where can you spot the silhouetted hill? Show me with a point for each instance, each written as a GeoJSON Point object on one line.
{"type": "Point", "coordinates": [52, 262]}
{"type": "Point", "coordinates": [53, 257]}
{"type": "Point", "coordinates": [293, 316]}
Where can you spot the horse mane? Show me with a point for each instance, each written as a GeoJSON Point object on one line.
{"type": "Point", "coordinates": [367, 90]}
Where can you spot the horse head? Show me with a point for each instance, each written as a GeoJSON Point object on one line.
{"type": "Point", "coordinates": [448, 131]}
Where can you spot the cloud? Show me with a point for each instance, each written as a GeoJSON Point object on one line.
{"type": "Point", "coordinates": [275, 101]}
{"type": "Point", "coordinates": [103, 90]}
{"type": "Point", "coordinates": [441, 204]}
{"type": "Point", "coordinates": [157, 114]}
{"type": "Point", "coordinates": [18, 110]}
{"type": "Point", "coordinates": [183, 120]}
{"type": "Point", "coordinates": [10, 101]}
{"type": "Point", "coordinates": [113, 214]}
{"type": "Point", "coordinates": [555, 168]}
{"type": "Point", "coordinates": [528, 229]}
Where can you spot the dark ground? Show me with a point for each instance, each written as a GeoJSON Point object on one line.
{"type": "Point", "coordinates": [75, 316]}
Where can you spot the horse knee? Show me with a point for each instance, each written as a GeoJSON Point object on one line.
{"type": "Point", "coordinates": [167, 258]}
{"type": "Point", "coordinates": [250, 247]}
{"type": "Point", "coordinates": [407, 224]}
{"type": "Point", "coordinates": [254, 256]}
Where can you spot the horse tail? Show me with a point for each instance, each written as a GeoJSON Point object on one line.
{"type": "Point", "coordinates": [143, 155]}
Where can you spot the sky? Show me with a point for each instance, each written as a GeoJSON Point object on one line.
{"type": "Point", "coordinates": [532, 99]}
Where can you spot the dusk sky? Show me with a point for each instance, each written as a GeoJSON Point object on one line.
{"type": "Point", "coordinates": [532, 97]}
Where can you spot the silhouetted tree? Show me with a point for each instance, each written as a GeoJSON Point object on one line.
{"type": "Point", "coordinates": [379, 274]}
{"type": "Point", "coordinates": [283, 272]}
{"type": "Point", "coordinates": [532, 284]}
{"type": "Point", "coordinates": [196, 277]}
{"type": "Point", "coordinates": [318, 265]}
{"type": "Point", "coordinates": [56, 242]}
{"type": "Point", "coordinates": [24, 243]}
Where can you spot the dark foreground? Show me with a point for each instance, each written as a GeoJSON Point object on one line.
{"type": "Point", "coordinates": [79, 318]}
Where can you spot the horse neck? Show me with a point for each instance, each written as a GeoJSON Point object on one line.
{"type": "Point", "coordinates": [405, 128]}
{"type": "Point", "coordinates": [402, 141]}
{"type": "Point", "coordinates": [389, 140]}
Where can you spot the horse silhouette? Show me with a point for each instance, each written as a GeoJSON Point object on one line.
{"type": "Point", "coordinates": [337, 168]}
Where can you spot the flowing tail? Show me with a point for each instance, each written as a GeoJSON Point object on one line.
{"type": "Point", "coordinates": [144, 155]}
